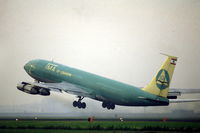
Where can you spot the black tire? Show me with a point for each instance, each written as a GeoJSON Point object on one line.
{"type": "Point", "coordinates": [75, 103]}
{"type": "Point", "coordinates": [79, 105]}
{"type": "Point", "coordinates": [108, 107]}
{"type": "Point", "coordinates": [104, 104]}
{"type": "Point", "coordinates": [112, 106]}
{"type": "Point", "coordinates": [83, 105]}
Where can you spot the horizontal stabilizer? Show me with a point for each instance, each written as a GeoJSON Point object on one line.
{"type": "Point", "coordinates": [183, 100]}
{"type": "Point", "coordinates": [185, 91]}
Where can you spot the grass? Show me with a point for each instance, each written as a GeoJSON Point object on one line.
{"type": "Point", "coordinates": [60, 131]}
{"type": "Point", "coordinates": [120, 127]}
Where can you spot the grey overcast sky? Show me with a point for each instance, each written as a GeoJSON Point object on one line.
{"type": "Point", "coordinates": [118, 39]}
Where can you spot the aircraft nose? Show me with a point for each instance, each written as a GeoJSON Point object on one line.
{"type": "Point", "coordinates": [30, 66]}
{"type": "Point", "coordinates": [26, 67]}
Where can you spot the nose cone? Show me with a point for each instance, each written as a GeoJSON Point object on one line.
{"type": "Point", "coordinates": [27, 67]}
{"type": "Point", "coordinates": [30, 66]}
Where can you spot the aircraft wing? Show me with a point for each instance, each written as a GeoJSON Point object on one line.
{"type": "Point", "coordinates": [58, 87]}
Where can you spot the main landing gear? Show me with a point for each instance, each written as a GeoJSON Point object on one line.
{"type": "Point", "coordinates": [108, 105]}
{"type": "Point", "coordinates": [79, 104]}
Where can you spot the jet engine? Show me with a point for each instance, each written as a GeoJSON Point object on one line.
{"type": "Point", "coordinates": [44, 92]}
{"type": "Point", "coordinates": [27, 88]}
{"type": "Point", "coordinates": [31, 89]}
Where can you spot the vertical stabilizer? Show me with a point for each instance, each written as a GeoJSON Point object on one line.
{"type": "Point", "coordinates": [160, 83]}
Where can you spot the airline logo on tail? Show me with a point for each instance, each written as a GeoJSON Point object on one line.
{"type": "Point", "coordinates": [162, 79]}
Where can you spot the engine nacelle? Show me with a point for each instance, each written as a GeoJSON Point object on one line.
{"type": "Point", "coordinates": [31, 89]}
{"type": "Point", "coordinates": [27, 88]}
{"type": "Point", "coordinates": [44, 92]}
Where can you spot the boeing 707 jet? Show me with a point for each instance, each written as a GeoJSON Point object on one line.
{"type": "Point", "coordinates": [50, 76]}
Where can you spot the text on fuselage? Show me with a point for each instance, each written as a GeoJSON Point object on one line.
{"type": "Point", "coordinates": [53, 68]}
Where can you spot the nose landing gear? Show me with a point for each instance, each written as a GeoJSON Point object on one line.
{"type": "Point", "coordinates": [79, 104]}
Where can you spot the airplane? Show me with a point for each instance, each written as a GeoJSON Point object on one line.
{"type": "Point", "coordinates": [50, 76]}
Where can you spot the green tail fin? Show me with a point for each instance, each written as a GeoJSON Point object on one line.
{"type": "Point", "coordinates": [160, 83]}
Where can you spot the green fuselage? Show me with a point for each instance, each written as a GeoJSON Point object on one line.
{"type": "Point", "coordinates": [100, 88]}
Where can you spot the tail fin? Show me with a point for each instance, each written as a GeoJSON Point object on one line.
{"type": "Point", "coordinates": [160, 83]}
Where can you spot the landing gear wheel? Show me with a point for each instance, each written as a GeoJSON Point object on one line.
{"type": "Point", "coordinates": [108, 105]}
{"type": "Point", "coordinates": [79, 104]}
{"type": "Point", "coordinates": [83, 105]}
{"type": "Point", "coordinates": [112, 106]}
{"type": "Point", "coordinates": [75, 103]}
{"type": "Point", "coordinates": [104, 104]}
